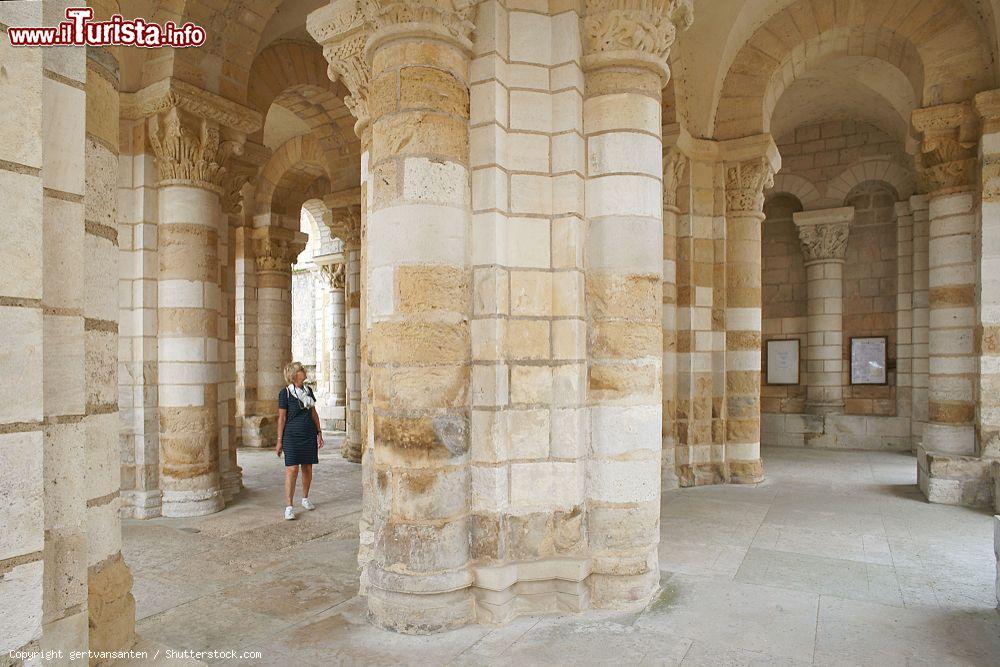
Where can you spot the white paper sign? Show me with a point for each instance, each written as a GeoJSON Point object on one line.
{"type": "Point", "coordinates": [783, 361]}
{"type": "Point", "coordinates": [868, 360]}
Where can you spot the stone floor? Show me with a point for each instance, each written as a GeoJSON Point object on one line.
{"type": "Point", "coordinates": [835, 559]}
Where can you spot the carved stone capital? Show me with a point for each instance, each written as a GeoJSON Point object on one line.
{"type": "Point", "coordinates": [241, 173]}
{"type": "Point", "coordinates": [454, 17]}
{"type": "Point", "coordinates": [190, 148]}
{"type": "Point", "coordinates": [343, 28]}
{"type": "Point", "coordinates": [824, 233]}
{"type": "Point", "coordinates": [674, 164]}
{"type": "Point", "coordinates": [334, 274]}
{"type": "Point", "coordinates": [950, 135]}
{"type": "Point", "coordinates": [343, 216]}
{"type": "Point", "coordinates": [745, 184]}
{"type": "Point", "coordinates": [636, 32]}
{"type": "Point", "coordinates": [275, 251]}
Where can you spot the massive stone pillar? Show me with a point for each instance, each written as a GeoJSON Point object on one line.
{"type": "Point", "coordinates": [276, 244]}
{"type": "Point", "coordinates": [333, 330]}
{"type": "Point", "coordinates": [192, 135]}
{"type": "Point", "coordinates": [418, 302]}
{"type": "Point", "coordinates": [746, 179]}
{"type": "Point", "coordinates": [824, 244]}
{"type": "Point", "coordinates": [918, 414]}
{"type": "Point", "coordinates": [345, 223]}
{"type": "Point", "coordinates": [623, 79]}
{"type": "Point", "coordinates": [674, 165]}
{"type": "Point", "coordinates": [987, 106]}
{"type": "Point", "coordinates": [948, 164]}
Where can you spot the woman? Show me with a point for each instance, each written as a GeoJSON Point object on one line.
{"type": "Point", "coordinates": [300, 435]}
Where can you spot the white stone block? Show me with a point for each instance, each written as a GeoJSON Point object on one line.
{"type": "Point", "coordinates": [624, 153]}
{"type": "Point", "coordinates": [530, 38]}
{"type": "Point", "coordinates": [628, 481]}
{"type": "Point", "coordinates": [528, 432]}
{"type": "Point", "coordinates": [427, 180]}
{"type": "Point", "coordinates": [619, 430]}
{"type": "Point", "coordinates": [417, 234]}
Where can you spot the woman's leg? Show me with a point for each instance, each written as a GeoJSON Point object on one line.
{"type": "Point", "coordinates": [307, 478]}
{"type": "Point", "coordinates": [291, 472]}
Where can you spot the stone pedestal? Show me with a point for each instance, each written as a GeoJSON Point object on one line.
{"type": "Point", "coordinates": [824, 244]}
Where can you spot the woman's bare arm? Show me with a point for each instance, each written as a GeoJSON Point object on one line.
{"type": "Point", "coordinates": [319, 426]}
{"type": "Point", "coordinates": [282, 416]}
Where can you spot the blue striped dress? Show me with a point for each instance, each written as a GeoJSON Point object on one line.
{"type": "Point", "coordinates": [299, 438]}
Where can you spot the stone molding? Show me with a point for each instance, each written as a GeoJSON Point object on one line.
{"type": "Point", "coordinates": [947, 160]}
{"type": "Point", "coordinates": [274, 251]}
{"type": "Point", "coordinates": [342, 29]}
{"type": "Point", "coordinates": [190, 148]}
{"type": "Point", "coordinates": [674, 165]}
{"type": "Point", "coordinates": [745, 184]}
{"type": "Point", "coordinates": [635, 32]}
{"type": "Point", "coordinates": [172, 93]}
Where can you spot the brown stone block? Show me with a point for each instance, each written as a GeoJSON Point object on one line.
{"type": "Point", "coordinates": [746, 297]}
{"type": "Point", "coordinates": [702, 274]}
{"type": "Point", "coordinates": [433, 89]}
{"type": "Point", "coordinates": [428, 438]}
{"type": "Point", "coordinates": [611, 81]}
{"type": "Point", "coordinates": [429, 494]}
{"type": "Point", "coordinates": [567, 532]}
{"type": "Point", "coordinates": [631, 297]}
{"type": "Point", "coordinates": [414, 342]}
{"type": "Point", "coordinates": [420, 133]}
{"type": "Point", "coordinates": [187, 322]}
{"type": "Point", "coordinates": [742, 430]}
{"type": "Point", "coordinates": [701, 474]}
{"type": "Point", "coordinates": [110, 605]}
{"type": "Point", "coordinates": [384, 94]}
{"type": "Point", "coordinates": [188, 441]}
{"type": "Point", "coordinates": [423, 289]}
{"type": "Point", "coordinates": [425, 387]}
{"type": "Point", "coordinates": [621, 381]}
{"type": "Point", "coordinates": [526, 339]}
{"type": "Point", "coordinates": [990, 340]}
{"type": "Point", "coordinates": [614, 339]}
{"type": "Point", "coordinates": [746, 472]}
{"type": "Point", "coordinates": [102, 107]}
{"type": "Point", "coordinates": [699, 433]}
{"type": "Point", "coordinates": [742, 383]}
{"type": "Point", "coordinates": [718, 430]}
{"type": "Point", "coordinates": [528, 536]}
{"type": "Point", "coordinates": [423, 52]}
{"type": "Point", "coordinates": [952, 295]}
{"type": "Point", "coordinates": [950, 413]}
{"type": "Point", "coordinates": [743, 340]}
{"type": "Point", "coordinates": [485, 538]}
{"type": "Point", "coordinates": [187, 252]}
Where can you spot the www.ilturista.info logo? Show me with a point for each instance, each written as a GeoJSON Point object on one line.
{"type": "Point", "coordinates": [79, 30]}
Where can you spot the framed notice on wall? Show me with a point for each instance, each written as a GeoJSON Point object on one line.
{"type": "Point", "coordinates": [868, 360]}
{"type": "Point", "coordinates": [783, 361]}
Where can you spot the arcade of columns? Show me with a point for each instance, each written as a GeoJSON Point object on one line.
{"type": "Point", "coordinates": [552, 305]}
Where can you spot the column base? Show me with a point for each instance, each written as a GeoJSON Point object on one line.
{"type": "Point", "coordinates": [199, 502]}
{"type": "Point", "coordinates": [232, 483]}
{"type": "Point", "coordinates": [110, 606]}
{"type": "Point", "coordinates": [260, 431]}
{"type": "Point", "coordinates": [431, 603]}
{"type": "Point", "coordinates": [950, 438]}
{"type": "Point", "coordinates": [351, 450]}
{"type": "Point", "coordinates": [141, 504]}
{"type": "Point", "coordinates": [950, 479]}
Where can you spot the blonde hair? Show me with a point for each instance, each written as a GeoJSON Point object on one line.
{"type": "Point", "coordinates": [291, 369]}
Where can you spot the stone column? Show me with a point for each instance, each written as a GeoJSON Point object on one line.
{"type": "Point", "coordinates": [334, 331]}
{"type": "Point", "coordinates": [190, 153]}
{"type": "Point", "coordinates": [824, 244]}
{"type": "Point", "coordinates": [625, 50]}
{"type": "Point", "coordinates": [918, 414]}
{"type": "Point", "coordinates": [947, 167]}
{"type": "Point", "coordinates": [416, 253]}
{"type": "Point", "coordinates": [345, 223]}
{"type": "Point", "coordinates": [746, 179]}
{"type": "Point", "coordinates": [276, 245]}
{"type": "Point", "coordinates": [674, 165]}
{"type": "Point", "coordinates": [987, 106]}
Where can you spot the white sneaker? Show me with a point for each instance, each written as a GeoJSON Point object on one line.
{"type": "Point", "coordinates": [289, 513]}
{"type": "Point", "coordinates": [306, 503]}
